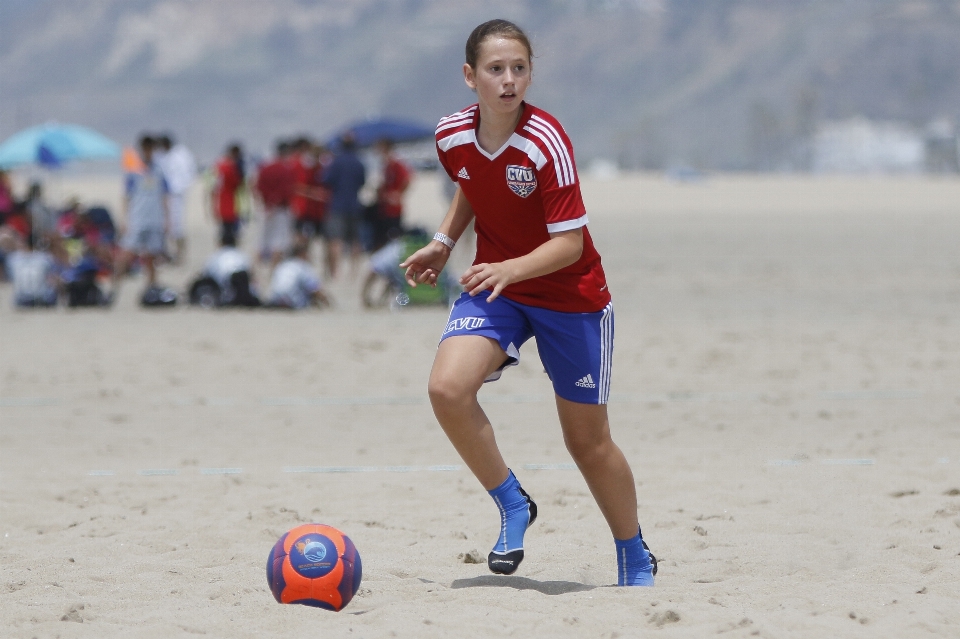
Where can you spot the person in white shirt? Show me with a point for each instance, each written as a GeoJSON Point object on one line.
{"type": "Point", "coordinates": [226, 261]}
{"type": "Point", "coordinates": [34, 276]}
{"type": "Point", "coordinates": [230, 269]}
{"type": "Point", "coordinates": [294, 283]}
{"type": "Point", "coordinates": [179, 170]}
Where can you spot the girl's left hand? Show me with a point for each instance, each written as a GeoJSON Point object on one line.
{"type": "Point", "coordinates": [480, 277]}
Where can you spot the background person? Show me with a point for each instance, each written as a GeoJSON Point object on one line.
{"type": "Point", "coordinates": [275, 187]}
{"type": "Point", "coordinates": [227, 277]}
{"type": "Point", "coordinates": [345, 176]}
{"type": "Point", "coordinates": [294, 283]}
{"type": "Point", "coordinates": [146, 217]}
{"type": "Point", "coordinates": [396, 180]}
{"type": "Point", "coordinates": [301, 163]}
{"type": "Point", "coordinates": [35, 276]}
{"type": "Point", "coordinates": [6, 196]}
{"type": "Point", "coordinates": [43, 218]}
{"type": "Point", "coordinates": [180, 170]}
{"type": "Point", "coordinates": [229, 180]}
{"type": "Point", "coordinates": [316, 198]}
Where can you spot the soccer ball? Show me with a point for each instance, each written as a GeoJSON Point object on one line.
{"type": "Point", "coordinates": [314, 565]}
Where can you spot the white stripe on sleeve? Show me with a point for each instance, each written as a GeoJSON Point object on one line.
{"type": "Point", "coordinates": [453, 124]}
{"type": "Point", "coordinates": [563, 154]}
{"type": "Point", "coordinates": [458, 115]}
{"type": "Point", "coordinates": [561, 175]}
{"type": "Point", "coordinates": [461, 137]}
{"type": "Point", "coordinates": [567, 225]}
{"type": "Point", "coordinates": [532, 150]}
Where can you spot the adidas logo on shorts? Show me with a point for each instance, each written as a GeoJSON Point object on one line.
{"type": "Point", "coordinates": [463, 175]}
{"type": "Point", "coordinates": [586, 382]}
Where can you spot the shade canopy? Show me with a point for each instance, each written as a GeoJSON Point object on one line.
{"type": "Point", "coordinates": [53, 145]}
{"type": "Point", "coordinates": [369, 132]}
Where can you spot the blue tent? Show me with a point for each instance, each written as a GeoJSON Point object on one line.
{"type": "Point", "coordinates": [369, 132]}
{"type": "Point", "coordinates": [52, 145]}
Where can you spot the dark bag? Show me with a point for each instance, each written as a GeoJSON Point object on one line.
{"type": "Point", "coordinates": [242, 295]}
{"type": "Point", "coordinates": [205, 292]}
{"type": "Point", "coordinates": [85, 292]}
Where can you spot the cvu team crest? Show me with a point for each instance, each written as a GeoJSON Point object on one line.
{"type": "Point", "coordinates": [521, 179]}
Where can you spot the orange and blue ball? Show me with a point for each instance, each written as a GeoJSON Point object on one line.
{"type": "Point", "coordinates": [314, 565]}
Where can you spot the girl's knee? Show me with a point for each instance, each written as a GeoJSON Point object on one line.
{"type": "Point", "coordinates": [586, 450]}
{"type": "Point", "coordinates": [448, 389]}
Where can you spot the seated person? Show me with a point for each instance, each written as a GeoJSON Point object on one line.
{"type": "Point", "coordinates": [385, 279]}
{"type": "Point", "coordinates": [34, 275]}
{"type": "Point", "coordinates": [10, 242]}
{"type": "Point", "coordinates": [97, 220]}
{"type": "Point", "coordinates": [295, 284]}
{"type": "Point", "coordinates": [225, 279]}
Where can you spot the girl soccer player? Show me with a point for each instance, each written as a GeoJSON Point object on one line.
{"type": "Point", "coordinates": [536, 273]}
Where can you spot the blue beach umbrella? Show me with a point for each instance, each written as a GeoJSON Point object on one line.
{"type": "Point", "coordinates": [369, 132]}
{"type": "Point", "coordinates": [52, 145]}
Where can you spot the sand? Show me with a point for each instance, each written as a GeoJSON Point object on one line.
{"type": "Point", "coordinates": [785, 385]}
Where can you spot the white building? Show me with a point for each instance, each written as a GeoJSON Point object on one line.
{"type": "Point", "coordinates": [859, 145]}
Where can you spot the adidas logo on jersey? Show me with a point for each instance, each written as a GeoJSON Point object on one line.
{"type": "Point", "coordinates": [463, 175]}
{"type": "Point", "coordinates": [586, 382]}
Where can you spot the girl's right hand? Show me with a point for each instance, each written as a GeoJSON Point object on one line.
{"type": "Point", "coordinates": [425, 265]}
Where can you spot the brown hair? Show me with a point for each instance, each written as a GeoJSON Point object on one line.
{"type": "Point", "coordinates": [501, 28]}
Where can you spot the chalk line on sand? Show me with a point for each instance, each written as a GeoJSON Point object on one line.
{"type": "Point", "coordinates": [446, 468]}
{"type": "Point", "coordinates": [376, 400]}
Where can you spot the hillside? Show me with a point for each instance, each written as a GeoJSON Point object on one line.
{"type": "Point", "coordinates": [649, 82]}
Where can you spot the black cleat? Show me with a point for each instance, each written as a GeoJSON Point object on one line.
{"type": "Point", "coordinates": [504, 564]}
{"type": "Point", "coordinates": [531, 506]}
{"type": "Point", "coordinates": [653, 560]}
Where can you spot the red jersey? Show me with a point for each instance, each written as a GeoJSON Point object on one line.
{"type": "Point", "coordinates": [19, 223]}
{"type": "Point", "coordinates": [228, 181]}
{"type": "Point", "coordinates": [275, 183]}
{"type": "Point", "coordinates": [396, 179]}
{"type": "Point", "coordinates": [520, 194]}
{"type": "Point", "coordinates": [301, 178]}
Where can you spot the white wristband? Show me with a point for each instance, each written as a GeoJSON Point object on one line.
{"type": "Point", "coordinates": [446, 241]}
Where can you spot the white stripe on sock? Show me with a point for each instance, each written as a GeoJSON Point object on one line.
{"type": "Point", "coordinates": [623, 579]}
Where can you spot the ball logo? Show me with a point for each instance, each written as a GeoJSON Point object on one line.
{"type": "Point", "coordinates": [314, 550]}
{"type": "Point", "coordinates": [521, 179]}
{"type": "Point", "coordinates": [313, 555]}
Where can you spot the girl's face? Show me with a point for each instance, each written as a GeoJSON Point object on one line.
{"type": "Point", "coordinates": [502, 75]}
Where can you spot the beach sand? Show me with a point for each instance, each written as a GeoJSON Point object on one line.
{"type": "Point", "coordinates": [786, 387]}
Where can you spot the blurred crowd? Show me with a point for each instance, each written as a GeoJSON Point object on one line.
{"type": "Point", "coordinates": [306, 196]}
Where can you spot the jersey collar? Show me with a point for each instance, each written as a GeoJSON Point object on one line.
{"type": "Point", "coordinates": [524, 116]}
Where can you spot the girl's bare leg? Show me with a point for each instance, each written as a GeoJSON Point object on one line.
{"type": "Point", "coordinates": [461, 365]}
{"type": "Point", "coordinates": [586, 432]}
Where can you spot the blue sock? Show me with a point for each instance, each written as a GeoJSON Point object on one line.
{"type": "Point", "coordinates": [634, 566]}
{"type": "Point", "coordinates": [515, 514]}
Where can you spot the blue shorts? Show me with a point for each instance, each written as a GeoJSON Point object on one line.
{"type": "Point", "coordinates": [144, 240]}
{"type": "Point", "coordinates": [576, 348]}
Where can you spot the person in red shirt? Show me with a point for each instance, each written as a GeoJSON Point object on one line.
{"type": "Point", "coordinates": [300, 162]}
{"type": "Point", "coordinates": [316, 197]}
{"type": "Point", "coordinates": [536, 274]}
{"type": "Point", "coordinates": [396, 180]}
{"type": "Point", "coordinates": [276, 184]}
{"type": "Point", "coordinates": [230, 178]}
